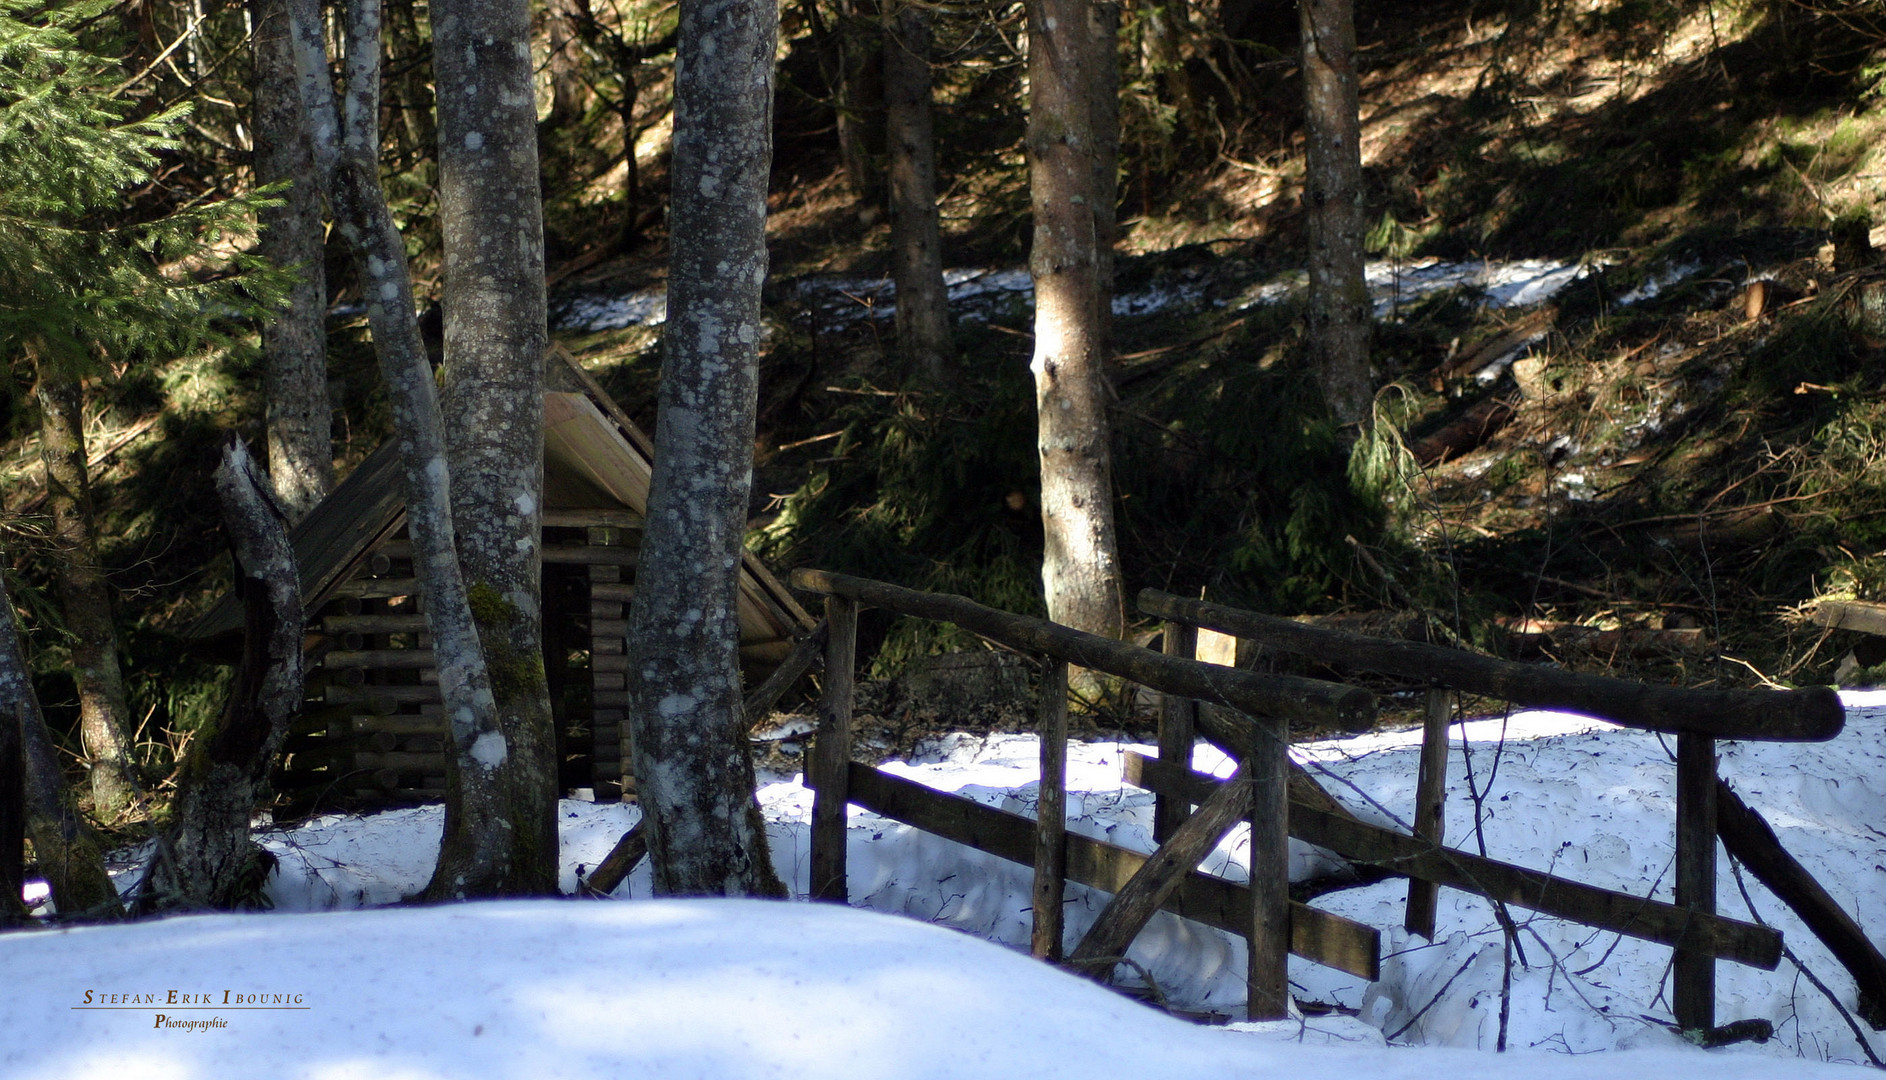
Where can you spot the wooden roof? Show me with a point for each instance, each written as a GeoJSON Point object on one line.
{"type": "Point", "coordinates": [595, 457]}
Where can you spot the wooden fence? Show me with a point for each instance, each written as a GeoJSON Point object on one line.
{"type": "Point", "coordinates": [1279, 801]}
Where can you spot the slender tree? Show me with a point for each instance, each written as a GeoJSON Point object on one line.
{"type": "Point", "coordinates": [1332, 192]}
{"type": "Point", "coordinates": [1080, 565]}
{"type": "Point", "coordinates": [294, 339]}
{"type": "Point", "coordinates": [495, 337]}
{"type": "Point", "coordinates": [84, 594]}
{"type": "Point", "coordinates": [692, 765]}
{"type": "Point", "coordinates": [346, 145]}
{"type": "Point", "coordinates": [923, 309]}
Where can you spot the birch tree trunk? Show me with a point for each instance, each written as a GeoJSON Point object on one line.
{"type": "Point", "coordinates": [63, 844]}
{"type": "Point", "coordinates": [300, 420]}
{"type": "Point", "coordinates": [85, 597]}
{"type": "Point", "coordinates": [923, 308]}
{"type": "Point", "coordinates": [205, 857]}
{"type": "Point", "coordinates": [692, 764]}
{"type": "Point", "coordinates": [495, 337]}
{"type": "Point", "coordinates": [348, 154]}
{"type": "Point", "coordinates": [1339, 297]}
{"type": "Point", "coordinates": [1080, 564]}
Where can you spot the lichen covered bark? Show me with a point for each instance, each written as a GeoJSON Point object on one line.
{"type": "Point", "coordinates": [294, 342]}
{"type": "Point", "coordinates": [692, 765]}
{"type": "Point", "coordinates": [495, 337]}
{"type": "Point", "coordinates": [85, 598]}
{"type": "Point", "coordinates": [1080, 568]}
{"type": "Point", "coordinates": [1332, 193]}
{"type": "Point", "coordinates": [349, 153]}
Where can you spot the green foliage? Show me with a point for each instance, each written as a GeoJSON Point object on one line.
{"type": "Point", "coordinates": [84, 273]}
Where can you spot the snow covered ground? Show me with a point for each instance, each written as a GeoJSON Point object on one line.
{"type": "Point", "coordinates": [721, 989]}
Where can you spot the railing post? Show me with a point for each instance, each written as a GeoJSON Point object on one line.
{"type": "Point", "coordinates": [1268, 761]}
{"type": "Point", "coordinates": [12, 823]}
{"type": "Point", "coordinates": [1693, 993]}
{"type": "Point", "coordinates": [1051, 814]}
{"type": "Point", "coordinates": [1430, 818]}
{"type": "Point", "coordinates": [830, 764]}
{"type": "Point", "coordinates": [1178, 723]}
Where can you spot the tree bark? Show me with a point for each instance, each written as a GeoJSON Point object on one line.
{"type": "Point", "coordinates": [1103, 95]}
{"type": "Point", "coordinates": [64, 846]}
{"type": "Point", "coordinates": [347, 152]}
{"type": "Point", "coordinates": [1080, 564]}
{"type": "Point", "coordinates": [300, 420]}
{"type": "Point", "coordinates": [692, 763]}
{"type": "Point", "coordinates": [923, 308]}
{"type": "Point", "coordinates": [1339, 297]}
{"type": "Point", "coordinates": [495, 337]}
{"type": "Point", "coordinates": [205, 857]}
{"type": "Point", "coordinates": [859, 95]}
{"type": "Point", "coordinates": [84, 595]}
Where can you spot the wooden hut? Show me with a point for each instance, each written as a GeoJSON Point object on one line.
{"type": "Point", "coordinates": [373, 730]}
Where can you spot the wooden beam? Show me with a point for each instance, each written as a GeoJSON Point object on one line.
{"type": "Point", "coordinates": [1851, 615]}
{"type": "Point", "coordinates": [1809, 715]}
{"type": "Point", "coordinates": [363, 588]}
{"type": "Point", "coordinates": [826, 771]}
{"type": "Point", "coordinates": [374, 624]}
{"type": "Point", "coordinates": [1050, 885]}
{"type": "Point", "coordinates": [1178, 729]}
{"type": "Point", "coordinates": [1308, 700]}
{"type": "Point", "coordinates": [1430, 817]}
{"type": "Point", "coordinates": [588, 517]}
{"type": "Point", "coordinates": [377, 659]}
{"type": "Point", "coordinates": [806, 652]}
{"type": "Point", "coordinates": [1315, 935]}
{"type": "Point", "coordinates": [1136, 901]}
{"type": "Point", "coordinates": [1622, 913]}
{"type": "Point", "coordinates": [618, 864]}
{"type": "Point", "coordinates": [1748, 837]}
{"type": "Point", "coordinates": [1693, 975]}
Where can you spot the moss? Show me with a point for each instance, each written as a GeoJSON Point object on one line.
{"type": "Point", "coordinates": [513, 671]}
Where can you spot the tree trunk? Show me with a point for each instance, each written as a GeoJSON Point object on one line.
{"type": "Point", "coordinates": [923, 308]}
{"type": "Point", "coordinates": [859, 94]}
{"type": "Point", "coordinates": [294, 343]}
{"type": "Point", "coordinates": [692, 764]}
{"type": "Point", "coordinates": [495, 337]}
{"type": "Point", "coordinates": [562, 65]}
{"type": "Point", "coordinates": [205, 858]}
{"type": "Point", "coordinates": [1103, 94]}
{"type": "Point", "coordinates": [348, 153]}
{"type": "Point", "coordinates": [1080, 565]}
{"type": "Point", "coordinates": [1339, 298]}
{"type": "Point", "coordinates": [64, 845]}
{"type": "Point", "coordinates": [104, 713]}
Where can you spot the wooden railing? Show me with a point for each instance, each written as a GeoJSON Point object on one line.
{"type": "Point", "coordinates": [1697, 718]}
{"type": "Point", "coordinates": [1261, 911]}
{"type": "Point", "coordinates": [1279, 801]}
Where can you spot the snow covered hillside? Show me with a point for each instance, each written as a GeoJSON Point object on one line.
{"type": "Point", "coordinates": [791, 990]}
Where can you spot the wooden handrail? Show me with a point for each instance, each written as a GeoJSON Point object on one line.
{"type": "Point", "coordinates": [1309, 700]}
{"type": "Point", "coordinates": [1813, 714]}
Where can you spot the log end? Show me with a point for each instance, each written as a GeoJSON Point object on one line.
{"type": "Point", "coordinates": [1814, 714]}
{"type": "Point", "coordinates": [1355, 710]}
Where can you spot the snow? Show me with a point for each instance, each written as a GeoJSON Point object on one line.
{"type": "Point", "coordinates": [732, 989]}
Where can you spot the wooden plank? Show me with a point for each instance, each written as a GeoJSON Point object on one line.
{"type": "Point", "coordinates": [619, 863]}
{"type": "Point", "coordinates": [1178, 724]}
{"type": "Point", "coordinates": [590, 555]}
{"type": "Point", "coordinates": [403, 761]}
{"type": "Point", "coordinates": [1857, 615]}
{"type": "Point", "coordinates": [1267, 971]}
{"type": "Point", "coordinates": [377, 659]}
{"type": "Point", "coordinates": [1693, 975]}
{"type": "Point", "coordinates": [1812, 714]}
{"type": "Point", "coordinates": [620, 592]}
{"type": "Point", "coordinates": [376, 588]}
{"type": "Point", "coordinates": [1748, 837]}
{"type": "Point", "coordinates": [592, 517]}
{"type": "Point", "coordinates": [399, 724]}
{"type": "Point", "coordinates": [1315, 935]}
{"type": "Point", "coordinates": [381, 699]}
{"type": "Point", "coordinates": [1308, 700]}
{"type": "Point", "coordinates": [1135, 902]}
{"type": "Point", "coordinates": [1050, 885]}
{"type": "Point", "coordinates": [1430, 817]}
{"type": "Point", "coordinates": [374, 624]}
{"type": "Point", "coordinates": [1622, 913]}
{"type": "Point", "coordinates": [806, 652]}
{"type": "Point", "coordinates": [827, 769]}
